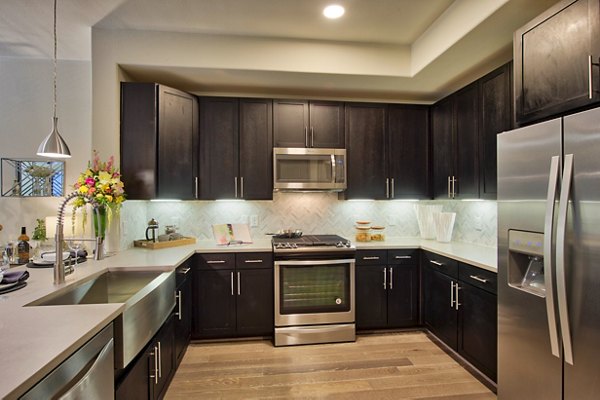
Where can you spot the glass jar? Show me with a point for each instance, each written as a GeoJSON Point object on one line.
{"type": "Point", "coordinates": [378, 233]}
{"type": "Point", "coordinates": [363, 234]}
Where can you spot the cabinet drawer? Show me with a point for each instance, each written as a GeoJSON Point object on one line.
{"type": "Point", "coordinates": [441, 264]}
{"type": "Point", "coordinates": [253, 260]}
{"type": "Point", "coordinates": [182, 272]}
{"type": "Point", "coordinates": [404, 256]}
{"type": "Point", "coordinates": [481, 278]}
{"type": "Point", "coordinates": [215, 261]}
{"type": "Point", "coordinates": [371, 257]}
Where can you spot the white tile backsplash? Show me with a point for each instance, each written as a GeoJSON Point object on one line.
{"type": "Point", "coordinates": [476, 221]}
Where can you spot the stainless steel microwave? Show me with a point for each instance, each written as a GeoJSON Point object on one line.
{"type": "Point", "coordinates": [300, 169]}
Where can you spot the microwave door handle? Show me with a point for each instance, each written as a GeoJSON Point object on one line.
{"type": "Point", "coordinates": [333, 174]}
{"type": "Point", "coordinates": [548, 263]}
{"type": "Point", "coordinates": [561, 284]}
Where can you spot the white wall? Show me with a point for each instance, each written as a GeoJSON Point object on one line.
{"type": "Point", "coordinates": [26, 118]}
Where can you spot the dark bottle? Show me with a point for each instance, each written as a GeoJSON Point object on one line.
{"type": "Point", "coordinates": [23, 246]}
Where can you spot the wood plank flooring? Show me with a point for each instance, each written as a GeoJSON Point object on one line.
{"type": "Point", "coordinates": [383, 366]}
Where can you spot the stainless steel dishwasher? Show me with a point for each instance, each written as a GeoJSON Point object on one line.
{"type": "Point", "coordinates": [87, 374]}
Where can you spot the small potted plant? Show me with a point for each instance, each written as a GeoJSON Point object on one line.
{"type": "Point", "coordinates": [39, 237]}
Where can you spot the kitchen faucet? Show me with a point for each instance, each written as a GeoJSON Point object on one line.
{"type": "Point", "coordinates": [60, 271]}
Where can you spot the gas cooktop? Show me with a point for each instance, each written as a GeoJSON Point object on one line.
{"type": "Point", "coordinates": [310, 242]}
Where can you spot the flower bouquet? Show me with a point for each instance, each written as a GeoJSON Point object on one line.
{"type": "Point", "coordinates": [102, 181]}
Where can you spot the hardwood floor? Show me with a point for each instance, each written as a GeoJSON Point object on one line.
{"type": "Point", "coordinates": [383, 366]}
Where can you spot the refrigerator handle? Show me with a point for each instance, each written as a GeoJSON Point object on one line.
{"type": "Point", "coordinates": [561, 285]}
{"type": "Point", "coordinates": [548, 225]}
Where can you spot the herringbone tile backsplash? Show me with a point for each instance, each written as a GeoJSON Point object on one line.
{"type": "Point", "coordinates": [476, 222]}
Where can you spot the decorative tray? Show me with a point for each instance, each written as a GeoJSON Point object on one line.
{"type": "Point", "coordinates": [149, 244]}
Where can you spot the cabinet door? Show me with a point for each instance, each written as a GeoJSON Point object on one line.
{"type": "Point", "coordinates": [214, 303]}
{"type": "Point", "coordinates": [137, 383]}
{"type": "Point", "coordinates": [183, 319]}
{"type": "Point", "coordinates": [219, 125]}
{"type": "Point", "coordinates": [371, 297]}
{"type": "Point", "coordinates": [255, 314]}
{"type": "Point", "coordinates": [326, 124]}
{"type": "Point", "coordinates": [408, 150]}
{"type": "Point", "coordinates": [478, 329]}
{"type": "Point", "coordinates": [442, 145]}
{"type": "Point", "coordinates": [139, 139]}
{"type": "Point", "coordinates": [466, 142]}
{"type": "Point", "coordinates": [495, 116]}
{"type": "Point", "coordinates": [366, 151]}
{"type": "Point", "coordinates": [256, 149]}
{"type": "Point", "coordinates": [551, 55]}
{"type": "Point", "coordinates": [439, 315]}
{"type": "Point", "coordinates": [290, 123]}
{"type": "Point", "coordinates": [166, 357]}
{"type": "Point", "coordinates": [403, 296]}
{"type": "Point", "coordinates": [176, 152]}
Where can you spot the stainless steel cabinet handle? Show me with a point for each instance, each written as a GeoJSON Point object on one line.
{"type": "Point", "coordinates": [387, 188]}
{"type": "Point", "coordinates": [451, 294]}
{"type": "Point", "coordinates": [215, 261]}
{"type": "Point", "coordinates": [478, 279]}
{"type": "Point", "coordinates": [403, 257]}
{"type": "Point", "coordinates": [238, 283]}
{"type": "Point", "coordinates": [241, 187]}
{"type": "Point", "coordinates": [312, 137]}
{"type": "Point", "coordinates": [439, 264]}
{"type": "Point", "coordinates": [371, 258]}
{"type": "Point", "coordinates": [548, 260]}
{"type": "Point", "coordinates": [453, 186]}
{"type": "Point", "coordinates": [155, 376]}
{"type": "Point", "coordinates": [449, 195]}
{"type": "Point", "coordinates": [456, 302]}
{"type": "Point", "coordinates": [306, 137]}
{"type": "Point", "coordinates": [384, 278]}
{"type": "Point", "coordinates": [253, 261]}
{"type": "Point", "coordinates": [196, 187]}
{"type": "Point", "coordinates": [178, 298]}
{"type": "Point", "coordinates": [159, 361]}
{"type": "Point", "coordinates": [393, 190]}
{"type": "Point", "coordinates": [235, 187]}
{"type": "Point", "coordinates": [391, 278]}
{"type": "Point", "coordinates": [232, 283]}
{"type": "Point", "coordinates": [561, 281]}
{"type": "Point", "coordinates": [184, 271]}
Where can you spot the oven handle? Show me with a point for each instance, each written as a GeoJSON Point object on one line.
{"type": "Point", "coordinates": [314, 262]}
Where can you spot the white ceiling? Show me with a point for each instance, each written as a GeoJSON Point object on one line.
{"type": "Point", "coordinates": [427, 48]}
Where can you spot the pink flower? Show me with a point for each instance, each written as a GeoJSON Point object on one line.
{"type": "Point", "coordinates": [92, 190]}
{"type": "Point", "coordinates": [90, 181]}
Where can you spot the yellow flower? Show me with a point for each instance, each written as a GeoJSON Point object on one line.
{"type": "Point", "coordinates": [83, 189]}
{"type": "Point", "coordinates": [99, 196]}
{"type": "Point", "coordinates": [109, 198]}
{"type": "Point", "coordinates": [104, 177]}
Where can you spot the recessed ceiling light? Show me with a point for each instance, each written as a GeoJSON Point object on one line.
{"type": "Point", "coordinates": [333, 11]}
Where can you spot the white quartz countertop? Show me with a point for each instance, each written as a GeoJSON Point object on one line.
{"type": "Point", "coordinates": [35, 340]}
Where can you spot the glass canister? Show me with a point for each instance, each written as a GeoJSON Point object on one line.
{"type": "Point", "coordinates": [378, 233]}
{"type": "Point", "coordinates": [363, 233]}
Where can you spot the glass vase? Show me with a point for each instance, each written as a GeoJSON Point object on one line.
{"type": "Point", "coordinates": [100, 221]}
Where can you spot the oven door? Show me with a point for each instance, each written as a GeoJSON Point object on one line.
{"type": "Point", "coordinates": [310, 292]}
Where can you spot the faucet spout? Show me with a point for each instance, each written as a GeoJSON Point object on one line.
{"type": "Point", "coordinates": [59, 267]}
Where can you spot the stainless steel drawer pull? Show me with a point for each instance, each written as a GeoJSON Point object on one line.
{"type": "Point", "coordinates": [184, 271]}
{"type": "Point", "coordinates": [439, 264]}
{"type": "Point", "coordinates": [155, 355]}
{"type": "Point", "coordinates": [403, 257]}
{"type": "Point", "coordinates": [371, 258]}
{"type": "Point", "coordinates": [253, 261]}
{"type": "Point", "coordinates": [456, 303]}
{"type": "Point", "coordinates": [478, 279]}
{"type": "Point", "coordinates": [215, 262]}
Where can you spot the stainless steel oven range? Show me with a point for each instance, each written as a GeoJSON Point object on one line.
{"type": "Point", "coordinates": [314, 290]}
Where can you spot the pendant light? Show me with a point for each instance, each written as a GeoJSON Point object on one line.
{"type": "Point", "coordinates": [54, 146]}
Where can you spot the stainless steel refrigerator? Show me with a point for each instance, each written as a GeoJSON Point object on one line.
{"type": "Point", "coordinates": [549, 260]}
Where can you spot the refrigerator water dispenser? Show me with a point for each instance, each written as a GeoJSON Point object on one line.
{"type": "Point", "coordinates": [526, 262]}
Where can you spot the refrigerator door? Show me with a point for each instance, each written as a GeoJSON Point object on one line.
{"type": "Point", "coordinates": [582, 256]}
{"type": "Point", "coordinates": [527, 369]}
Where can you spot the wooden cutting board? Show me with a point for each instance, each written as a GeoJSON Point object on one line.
{"type": "Point", "coordinates": [149, 244]}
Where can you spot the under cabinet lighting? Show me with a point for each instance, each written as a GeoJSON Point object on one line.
{"type": "Point", "coordinates": [333, 11]}
{"type": "Point", "coordinates": [165, 200]}
{"type": "Point", "coordinates": [361, 200]}
{"type": "Point", "coordinates": [472, 200]}
{"type": "Point", "coordinates": [231, 200]}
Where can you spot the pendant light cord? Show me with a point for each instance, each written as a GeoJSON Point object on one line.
{"type": "Point", "coordinates": [55, 1]}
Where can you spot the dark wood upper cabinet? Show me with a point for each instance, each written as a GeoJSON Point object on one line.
{"type": "Point", "coordinates": [442, 143]}
{"type": "Point", "coordinates": [235, 149]}
{"type": "Point", "coordinates": [495, 117]}
{"type": "Point", "coordinates": [408, 151]}
{"type": "Point", "coordinates": [366, 151]}
{"type": "Point", "coordinates": [158, 140]}
{"type": "Point", "coordinates": [556, 58]}
{"type": "Point", "coordinates": [466, 143]}
{"type": "Point", "coordinates": [299, 123]}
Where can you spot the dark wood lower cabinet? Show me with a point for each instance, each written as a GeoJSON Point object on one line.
{"type": "Point", "coordinates": [439, 314]}
{"type": "Point", "coordinates": [183, 314]}
{"type": "Point", "coordinates": [233, 295]}
{"type": "Point", "coordinates": [371, 297]}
